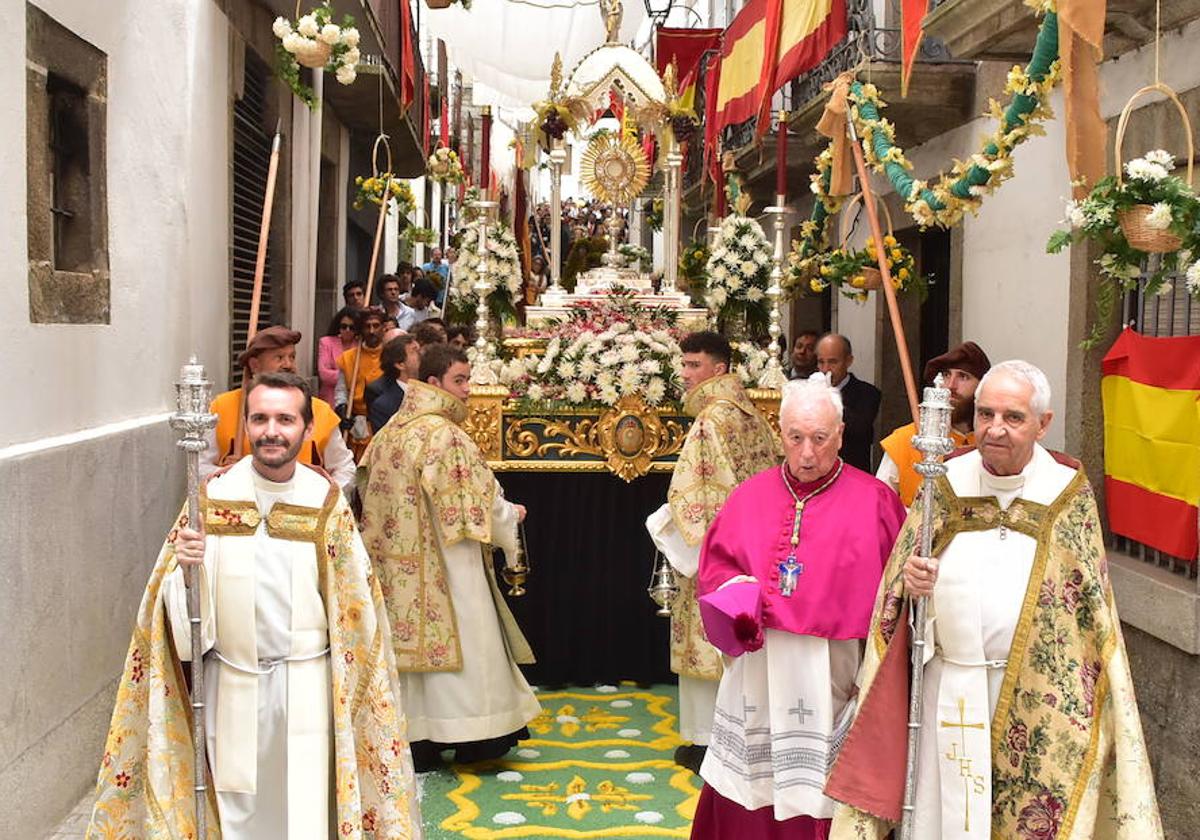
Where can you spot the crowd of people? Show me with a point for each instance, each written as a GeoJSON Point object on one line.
{"type": "Point", "coordinates": [357, 636]}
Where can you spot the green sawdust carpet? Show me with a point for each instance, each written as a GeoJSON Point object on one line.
{"type": "Point", "coordinates": [599, 764]}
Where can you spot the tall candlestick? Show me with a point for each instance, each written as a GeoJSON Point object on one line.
{"type": "Point", "coordinates": [485, 151]}
{"type": "Point", "coordinates": [781, 159]}
{"type": "Point", "coordinates": [721, 198]}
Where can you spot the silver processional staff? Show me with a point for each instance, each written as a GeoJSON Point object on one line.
{"type": "Point", "coordinates": [933, 442]}
{"type": "Point", "coordinates": [193, 394]}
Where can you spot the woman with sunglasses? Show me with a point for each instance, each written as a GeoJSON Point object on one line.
{"type": "Point", "coordinates": [340, 337]}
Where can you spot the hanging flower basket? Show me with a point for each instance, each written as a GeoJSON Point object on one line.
{"type": "Point", "coordinates": [315, 41]}
{"type": "Point", "coordinates": [1141, 209]}
{"type": "Point", "coordinates": [1142, 233]}
{"type": "Point", "coordinates": [444, 166]}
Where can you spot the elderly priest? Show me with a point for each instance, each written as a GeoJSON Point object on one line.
{"type": "Point", "coordinates": [788, 572]}
{"type": "Point", "coordinates": [1029, 728]}
{"type": "Point", "coordinates": [304, 730]}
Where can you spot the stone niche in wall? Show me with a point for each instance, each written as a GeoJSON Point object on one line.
{"type": "Point", "coordinates": [66, 95]}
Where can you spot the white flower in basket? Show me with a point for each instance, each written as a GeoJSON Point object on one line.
{"type": "Point", "coordinates": [317, 42]}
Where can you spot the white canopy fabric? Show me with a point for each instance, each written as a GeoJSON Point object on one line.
{"type": "Point", "coordinates": [509, 45]}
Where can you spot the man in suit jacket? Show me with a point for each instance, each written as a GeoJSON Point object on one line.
{"type": "Point", "coordinates": [400, 360]}
{"type": "Point", "coordinates": [860, 400]}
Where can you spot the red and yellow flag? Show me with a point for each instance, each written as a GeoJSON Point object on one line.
{"type": "Point", "coordinates": [685, 47]}
{"type": "Point", "coordinates": [769, 43]}
{"type": "Point", "coordinates": [1152, 440]}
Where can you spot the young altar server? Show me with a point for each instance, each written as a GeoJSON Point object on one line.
{"type": "Point", "coordinates": [432, 510]}
{"type": "Point", "coordinates": [788, 571]}
{"type": "Point", "coordinates": [1030, 728]}
{"type": "Point", "coordinates": [728, 442]}
{"type": "Point", "coordinates": [305, 737]}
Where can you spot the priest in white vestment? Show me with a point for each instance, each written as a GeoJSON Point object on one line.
{"type": "Point", "coordinates": [432, 511]}
{"type": "Point", "coordinates": [1030, 728]}
{"type": "Point", "coordinates": [284, 582]}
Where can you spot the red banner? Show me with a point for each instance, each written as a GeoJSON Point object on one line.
{"type": "Point", "coordinates": [685, 47]}
{"type": "Point", "coordinates": [912, 14]}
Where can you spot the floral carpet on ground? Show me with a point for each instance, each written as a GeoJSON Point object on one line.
{"type": "Point", "coordinates": [598, 764]}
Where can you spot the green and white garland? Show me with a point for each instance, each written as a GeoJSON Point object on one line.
{"type": "Point", "coordinates": [739, 272]}
{"type": "Point", "coordinates": [943, 201]}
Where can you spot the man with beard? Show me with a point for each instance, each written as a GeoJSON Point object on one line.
{"type": "Point", "coordinates": [432, 511]}
{"type": "Point", "coordinates": [273, 350]}
{"type": "Point", "coordinates": [961, 370]}
{"type": "Point", "coordinates": [289, 611]}
{"type": "Point", "coordinates": [359, 365]}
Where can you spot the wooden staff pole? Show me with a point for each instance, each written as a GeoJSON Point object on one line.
{"type": "Point", "coordinates": [260, 268]}
{"type": "Point", "coordinates": [383, 210]}
{"type": "Point", "coordinates": [910, 385]}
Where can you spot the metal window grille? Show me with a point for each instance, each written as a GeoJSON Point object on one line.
{"type": "Point", "coordinates": [251, 158]}
{"type": "Point", "coordinates": [1172, 314]}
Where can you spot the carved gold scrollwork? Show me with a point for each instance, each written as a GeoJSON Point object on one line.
{"type": "Point", "coordinates": [628, 437]}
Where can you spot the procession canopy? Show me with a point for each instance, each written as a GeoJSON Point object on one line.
{"type": "Point", "coordinates": [616, 67]}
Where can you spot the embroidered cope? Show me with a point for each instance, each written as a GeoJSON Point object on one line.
{"type": "Point", "coordinates": [1030, 726]}
{"type": "Point", "coordinates": [304, 730]}
{"type": "Point", "coordinates": [432, 509]}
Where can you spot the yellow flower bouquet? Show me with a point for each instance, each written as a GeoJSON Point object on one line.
{"type": "Point", "coordinates": [370, 190]}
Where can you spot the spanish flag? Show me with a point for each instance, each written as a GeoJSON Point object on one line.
{"type": "Point", "coordinates": [1150, 388]}
{"type": "Point", "coordinates": [769, 43]}
{"type": "Point", "coordinates": [685, 47]}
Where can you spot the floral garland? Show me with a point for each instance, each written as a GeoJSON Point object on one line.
{"type": "Point", "coordinates": [739, 270]}
{"type": "Point", "coordinates": [370, 191]}
{"type": "Point", "coordinates": [316, 35]}
{"type": "Point", "coordinates": [968, 182]}
{"type": "Point", "coordinates": [503, 274]}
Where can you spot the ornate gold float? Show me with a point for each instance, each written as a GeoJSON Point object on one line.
{"type": "Point", "coordinates": [629, 439]}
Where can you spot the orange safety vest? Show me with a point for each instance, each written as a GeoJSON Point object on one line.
{"type": "Point", "coordinates": [898, 446]}
{"type": "Point", "coordinates": [228, 406]}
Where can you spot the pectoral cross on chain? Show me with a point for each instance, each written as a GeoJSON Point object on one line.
{"type": "Point", "coordinates": [790, 570]}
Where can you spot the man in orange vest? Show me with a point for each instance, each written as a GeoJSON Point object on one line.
{"type": "Point", "coordinates": [274, 349]}
{"type": "Point", "coordinates": [961, 369]}
{"type": "Point", "coordinates": [359, 365]}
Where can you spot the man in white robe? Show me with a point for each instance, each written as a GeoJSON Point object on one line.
{"type": "Point", "coordinates": [284, 579]}
{"type": "Point", "coordinates": [1029, 724]}
{"type": "Point", "coordinates": [432, 511]}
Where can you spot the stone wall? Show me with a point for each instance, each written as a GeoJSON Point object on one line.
{"type": "Point", "coordinates": [1167, 682]}
{"type": "Point", "coordinates": [82, 521]}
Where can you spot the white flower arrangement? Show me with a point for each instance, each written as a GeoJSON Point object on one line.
{"type": "Point", "coordinates": [316, 41]}
{"type": "Point", "coordinates": [503, 275]}
{"type": "Point", "coordinates": [739, 271]}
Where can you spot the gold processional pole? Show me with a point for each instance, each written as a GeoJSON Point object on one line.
{"type": "Point", "coordinates": [260, 267]}
{"type": "Point", "coordinates": [193, 393]}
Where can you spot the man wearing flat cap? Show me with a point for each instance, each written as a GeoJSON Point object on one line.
{"type": "Point", "coordinates": [961, 368]}
{"type": "Point", "coordinates": [272, 350]}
